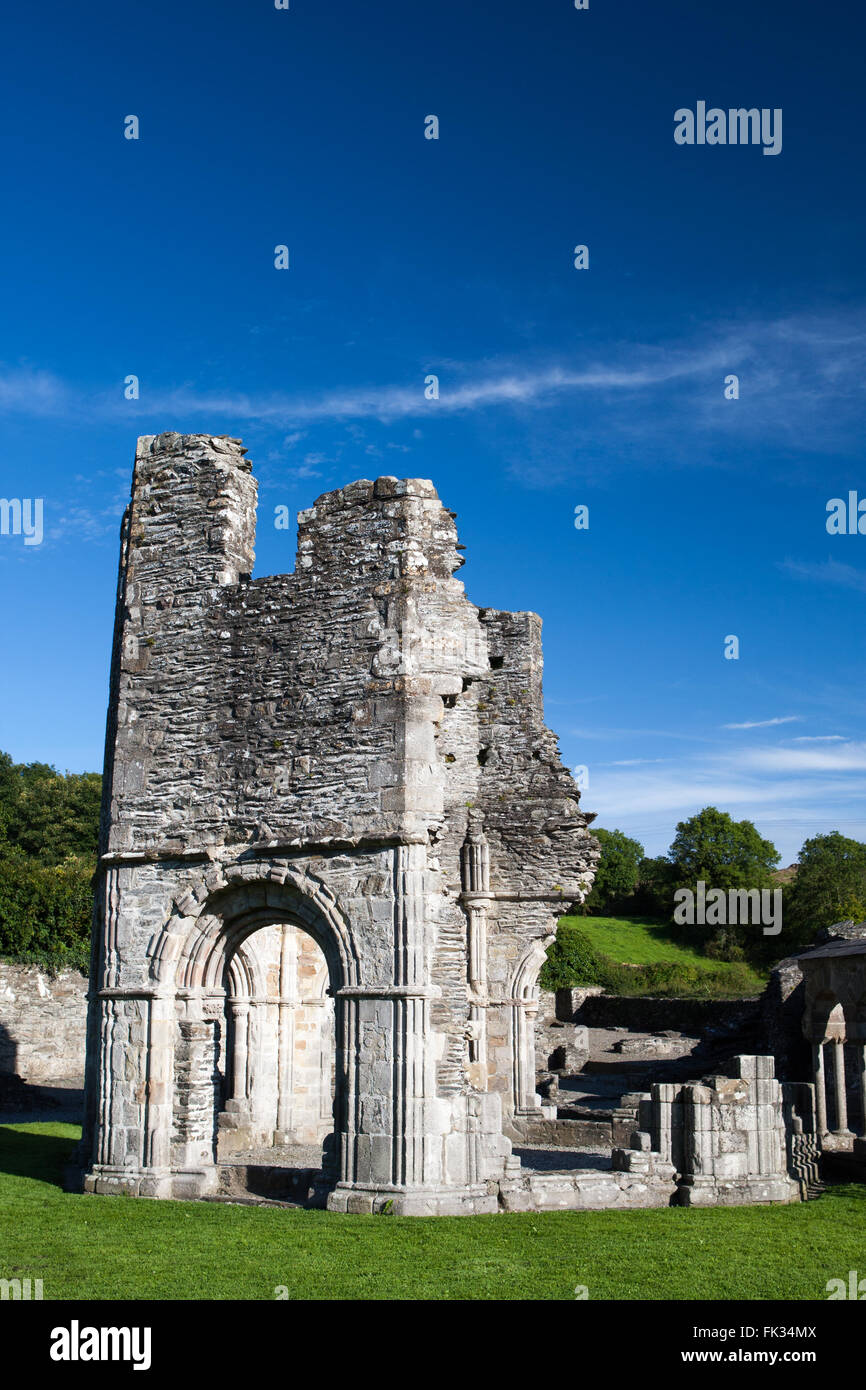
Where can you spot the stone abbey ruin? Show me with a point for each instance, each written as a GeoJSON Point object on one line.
{"type": "Point", "coordinates": [335, 843]}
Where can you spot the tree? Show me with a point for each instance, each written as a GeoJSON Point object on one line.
{"type": "Point", "coordinates": [48, 839]}
{"type": "Point", "coordinates": [45, 910]}
{"type": "Point", "coordinates": [724, 853]}
{"type": "Point", "coordinates": [830, 885]}
{"type": "Point", "coordinates": [616, 873]}
{"type": "Point", "coordinates": [47, 814]}
{"type": "Point", "coordinates": [654, 896]}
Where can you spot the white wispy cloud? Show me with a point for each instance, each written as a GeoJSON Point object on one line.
{"type": "Point", "coordinates": [827, 572]}
{"type": "Point", "coordinates": [389, 403]}
{"type": "Point", "coordinates": [24, 391]}
{"type": "Point", "coordinates": [789, 792]}
{"type": "Point", "coordinates": [765, 723]}
{"type": "Point", "coordinates": [849, 757]}
{"type": "Point", "coordinates": [798, 368]}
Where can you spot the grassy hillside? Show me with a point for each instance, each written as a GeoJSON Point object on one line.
{"type": "Point", "coordinates": [639, 956]}
{"type": "Point", "coordinates": [635, 940]}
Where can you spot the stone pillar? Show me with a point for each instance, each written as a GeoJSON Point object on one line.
{"type": "Point", "coordinates": [661, 1122]}
{"type": "Point", "coordinates": [383, 1034]}
{"type": "Point", "coordinates": [286, 1034]}
{"type": "Point", "coordinates": [841, 1094]}
{"type": "Point", "coordinates": [401, 1143]}
{"type": "Point", "coordinates": [523, 1015]}
{"type": "Point", "coordinates": [240, 1024]}
{"type": "Point", "coordinates": [346, 1117]}
{"type": "Point", "coordinates": [160, 1090]}
{"type": "Point", "coordinates": [193, 1116]}
{"type": "Point", "coordinates": [475, 873]}
{"type": "Point", "coordinates": [820, 1088]}
{"type": "Point", "coordinates": [861, 1063]}
{"type": "Point", "coordinates": [766, 1126]}
{"type": "Point", "coordinates": [734, 1129]}
{"type": "Point", "coordinates": [108, 1099]}
{"type": "Point", "coordinates": [697, 1131]}
{"type": "Point", "coordinates": [132, 1153]}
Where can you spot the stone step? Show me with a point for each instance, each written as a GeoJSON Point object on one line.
{"type": "Point", "coordinates": [583, 1133]}
{"type": "Point", "coordinates": [240, 1201]}
{"type": "Point", "coordinates": [585, 1190]}
{"type": "Point", "coordinates": [294, 1186]}
{"type": "Point", "coordinates": [600, 1114]}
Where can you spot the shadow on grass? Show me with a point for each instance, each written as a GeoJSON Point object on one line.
{"type": "Point", "coordinates": [38, 1156]}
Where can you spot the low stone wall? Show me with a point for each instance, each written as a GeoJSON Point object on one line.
{"type": "Point", "coordinates": [644, 1015]}
{"type": "Point", "coordinates": [43, 1022]}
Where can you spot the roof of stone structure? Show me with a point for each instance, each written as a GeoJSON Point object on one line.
{"type": "Point", "coordinates": [839, 947]}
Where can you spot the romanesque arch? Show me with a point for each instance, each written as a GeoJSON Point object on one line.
{"type": "Point", "coordinates": [259, 1056]}
{"type": "Point", "coordinates": [215, 914]}
{"type": "Point", "coordinates": [524, 998]}
{"type": "Point", "coordinates": [836, 1028]}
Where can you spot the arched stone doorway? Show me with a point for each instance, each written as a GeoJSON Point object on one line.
{"type": "Point", "coordinates": [276, 1059]}
{"type": "Point", "coordinates": [250, 987]}
{"type": "Point", "coordinates": [834, 1022]}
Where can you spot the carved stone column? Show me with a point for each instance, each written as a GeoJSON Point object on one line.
{"type": "Point", "coordinates": [132, 1152]}
{"type": "Point", "coordinates": [841, 1095]}
{"type": "Point", "coordinates": [286, 1035]}
{"type": "Point", "coordinates": [240, 1010]}
{"type": "Point", "coordinates": [820, 1087]}
{"type": "Point", "coordinates": [475, 874]}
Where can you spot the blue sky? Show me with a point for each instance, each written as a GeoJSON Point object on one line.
{"type": "Point", "coordinates": [409, 256]}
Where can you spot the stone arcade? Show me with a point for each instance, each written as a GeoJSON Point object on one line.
{"type": "Point", "coordinates": [834, 1022]}
{"type": "Point", "coordinates": [336, 839]}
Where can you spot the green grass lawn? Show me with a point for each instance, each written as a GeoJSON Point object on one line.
{"type": "Point", "coordinates": [643, 941]}
{"type": "Point", "coordinates": [119, 1247]}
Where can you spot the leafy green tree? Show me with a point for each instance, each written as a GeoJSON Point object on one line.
{"type": "Point", "coordinates": [724, 853]}
{"type": "Point", "coordinates": [45, 910]}
{"type": "Point", "coordinates": [616, 873]}
{"type": "Point", "coordinates": [830, 885]}
{"type": "Point", "coordinates": [48, 839]}
{"type": "Point", "coordinates": [654, 896]}
{"type": "Point", "coordinates": [47, 814]}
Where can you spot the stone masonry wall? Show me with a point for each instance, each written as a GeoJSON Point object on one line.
{"type": "Point", "coordinates": [42, 1023]}
{"type": "Point", "coordinates": [321, 747]}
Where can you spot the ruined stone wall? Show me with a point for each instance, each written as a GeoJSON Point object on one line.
{"type": "Point", "coordinates": [275, 709]}
{"type": "Point", "coordinates": [42, 1023]}
{"type": "Point", "coordinates": [704, 1017]}
{"type": "Point", "coordinates": [724, 1137]}
{"type": "Point", "coordinates": [346, 726]}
